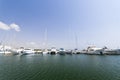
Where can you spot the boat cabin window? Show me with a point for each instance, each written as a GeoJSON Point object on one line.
{"type": "Point", "coordinates": [91, 50]}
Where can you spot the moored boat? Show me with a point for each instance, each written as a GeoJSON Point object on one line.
{"type": "Point", "coordinates": [112, 51]}
{"type": "Point", "coordinates": [45, 52]}
{"type": "Point", "coordinates": [62, 51]}
{"type": "Point", "coordinates": [94, 50]}
{"type": "Point", "coordinates": [53, 51]}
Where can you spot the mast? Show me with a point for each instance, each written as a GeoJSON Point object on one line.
{"type": "Point", "coordinates": [45, 43]}
{"type": "Point", "coordinates": [76, 41]}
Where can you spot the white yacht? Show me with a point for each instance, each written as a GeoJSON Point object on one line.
{"type": "Point", "coordinates": [6, 50]}
{"type": "Point", "coordinates": [26, 51]}
{"type": "Point", "coordinates": [76, 51]}
{"type": "Point", "coordinates": [53, 50]}
{"type": "Point", "coordinates": [62, 51]}
{"type": "Point", "coordinates": [45, 51]}
{"type": "Point", "coordinates": [111, 51]}
{"type": "Point", "coordinates": [38, 51]}
{"type": "Point", "coordinates": [94, 50]}
{"type": "Point", "coordinates": [69, 51]}
{"type": "Point", "coordinates": [20, 51]}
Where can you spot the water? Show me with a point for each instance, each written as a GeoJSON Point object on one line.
{"type": "Point", "coordinates": [56, 67]}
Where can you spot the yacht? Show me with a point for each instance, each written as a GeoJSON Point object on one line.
{"type": "Point", "coordinates": [45, 51]}
{"type": "Point", "coordinates": [53, 51]}
{"type": "Point", "coordinates": [76, 51]}
{"type": "Point", "coordinates": [94, 50]}
{"type": "Point", "coordinates": [62, 51]}
{"type": "Point", "coordinates": [5, 50]}
{"type": "Point", "coordinates": [69, 51]}
{"type": "Point", "coordinates": [111, 51]}
{"type": "Point", "coordinates": [20, 51]}
{"type": "Point", "coordinates": [38, 51]}
{"type": "Point", "coordinates": [26, 51]}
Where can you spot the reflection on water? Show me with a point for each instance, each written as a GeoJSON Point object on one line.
{"type": "Point", "coordinates": [56, 67]}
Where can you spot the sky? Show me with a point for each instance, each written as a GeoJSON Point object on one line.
{"type": "Point", "coordinates": [60, 23]}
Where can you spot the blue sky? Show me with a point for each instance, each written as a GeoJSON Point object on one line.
{"type": "Point", "coordinates": [94, 22]}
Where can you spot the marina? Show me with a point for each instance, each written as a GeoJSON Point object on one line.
{"type": "Point", "coordinates": [59, 40]}
{"type": "Point", "coordinates": [90, 50]}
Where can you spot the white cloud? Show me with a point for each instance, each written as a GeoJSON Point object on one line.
{"type": "Point", "coordinates": [14, 26]}
{"type": "Point", "coordinates": [4, 26]}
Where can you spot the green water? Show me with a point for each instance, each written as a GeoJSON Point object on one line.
{"type": "Point", "coordinates": [56, 67]}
